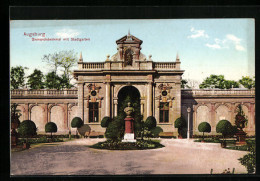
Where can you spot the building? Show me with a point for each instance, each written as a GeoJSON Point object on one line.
{"type": "Point", "coordinates": [157, 86]}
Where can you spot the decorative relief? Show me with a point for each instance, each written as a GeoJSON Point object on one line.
{"type": "Point", "coordinates": [93, 94]}
{"type": "Point", "coordinates": [164, 96]}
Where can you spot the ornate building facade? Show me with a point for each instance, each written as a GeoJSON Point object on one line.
{"type": "Point", "coordinates": [103, 85]}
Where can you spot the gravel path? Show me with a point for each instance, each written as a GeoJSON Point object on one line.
{"type": "Point", "coordinates": [75, 158]}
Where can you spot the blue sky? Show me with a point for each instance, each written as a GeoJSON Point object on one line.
{"type": "Point", "coordinates": [205, 46]}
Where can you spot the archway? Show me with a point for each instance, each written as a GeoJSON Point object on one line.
{"type": "Point", "coordinates": [129, 94]}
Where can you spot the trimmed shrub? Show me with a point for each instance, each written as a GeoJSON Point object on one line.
{"type": "Point", "coordinates": [27, 129]}
{"type": "Point", "coordinates": [150, 122]}
{"type": "Point", "coordinates": [204, 127]}
{"type": "Point", "coordinates": [180, 123]}
{"type": "Point", "coordinates": [224, 127]}
{"type": "Point", "coordinates": [105, 122]}
{"type": "Point", "coordinates": [156, 131]}
{"type": "Point", "coordinates": [51, 127]}
{"type": "Point", "coordinates": [76, 122]}
{"type": "Point", "coordinates": [115, 130]}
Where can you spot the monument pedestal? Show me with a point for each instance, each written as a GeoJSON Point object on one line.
{"type": "Point", "coordinates": [241, 138]}
{"type": "Point", "coordinates": [129, 137]}
{"type": "Point", "coordinates": [129, 130]}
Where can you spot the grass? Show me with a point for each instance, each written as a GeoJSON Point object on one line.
{"type": "Point", "coordinates": [118, 145]}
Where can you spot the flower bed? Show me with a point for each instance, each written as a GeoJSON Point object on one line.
{"type": "Point", "coordinates": [118, 145]}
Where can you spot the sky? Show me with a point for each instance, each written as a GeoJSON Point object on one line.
{"type": "Point", "coordinates": [205, 46]}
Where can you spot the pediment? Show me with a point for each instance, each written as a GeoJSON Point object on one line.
{"type": "Point", "coordinates": [125, 39]}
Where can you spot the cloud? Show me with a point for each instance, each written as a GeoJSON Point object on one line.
{"type": "Point", "coordinates": [227, 42]}
{"type": "Point", "coordinates": [67, 33]}
{"type": "Point", "coordinates": [198, 33]}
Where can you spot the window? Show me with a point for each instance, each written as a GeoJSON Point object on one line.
{"type": "Point", "coordinates": [164, 112]}
{"type": "Point", "coordinates": [93, 112]}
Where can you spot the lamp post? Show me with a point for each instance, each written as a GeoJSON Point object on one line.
{"type": "Point", "coordinates": [188, 132]}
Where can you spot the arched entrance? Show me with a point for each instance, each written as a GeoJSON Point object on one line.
{"type": "Point", "coordinates": [129, 94]}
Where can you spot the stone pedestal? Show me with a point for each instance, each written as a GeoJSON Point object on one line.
{"type": "Point", "coordinates": [129, 130]}
{"type": "Point", "coordinates": [241, 138]}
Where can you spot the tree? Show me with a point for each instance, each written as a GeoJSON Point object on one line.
{"type": "Point", "coordinates": [240, 119]}
{"type": "Point", "coordinates": [53, 60]}
{"type": "Point", "coordinates": [180, 123]}
{"type": "Point", "coordinates": [64, 61]}
{"type": "Point", "coordinates": [65, 82]}
{"type": "Point", "coordinates": [35, 80]}
{"type": "Point", "coordinates": [247, 82]}
{"type": "Point", "coordinates": [148, 125]}
{"type": "Point", "coordinates": [76, 123]}
{"type": "Point", "coordinates": [225, 128]}
{"type": "Point", "coordinates": [17, 77]}
{"type": "Point", "coordinates": [184, 84]}
{"type": "Point", "coordinates": [218, 81]}
{"type": "Point", "coordinates": [51, 127]}
{"type": "Point", "coordinates": [67, 60]}
{"type": "Point", "coordinates": [27, 129]}
{"type": "Point", "coordinates": [204, 127]}
{"type": "Point", "coordinates": [52, 81]}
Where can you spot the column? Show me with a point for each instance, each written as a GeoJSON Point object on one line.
{"type": "Point", "coordinates": [46, 113]}
{"type": "Point", "coordinates": [149, 99]}
{"type": "Point", "coordinates": [26, 111]}
{"type": "Point", "coordinates": [115, 108]}
{"type": "Point", "coordinates": [108, 99]}
{"type": "Point", "coordinates": [212, 116]}
{"type": "Point", "coordinates": [80, 100]}
{"type": "Point", "coordinates": [65, 105]}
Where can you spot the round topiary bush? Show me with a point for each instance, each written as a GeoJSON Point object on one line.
{"type": "Point", "coordinates": [51, 127]}
{"type": "Point", "coordinates": [204, 127]}
{"type": "Point", "coordinates": [27, 129]}
{"type": "Point", "coordinates": [224, 127]}
{"type": "Point", "coordinates": [156, 131]}
{"type": "Point", "coordinates": [150, 122]}
{"type": "Point", "coordinates": [76, 122]}
{"type": "Point", "coordinates": [105, 122]}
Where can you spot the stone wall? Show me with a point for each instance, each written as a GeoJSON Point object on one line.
{"type": "Point", "coordinates": [61, 107]}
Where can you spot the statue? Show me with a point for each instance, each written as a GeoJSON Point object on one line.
{"type": "Point", "coordinates": [129, 124]}
{"type": "Point", "coordinates": [129, 110]}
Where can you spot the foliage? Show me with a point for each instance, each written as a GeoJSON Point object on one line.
{"type": "Point", "coordinates": [218, 81]}
{"type": "Point", "coordinates": [35, 80]}
{"type": "Point", "coordinates": [115, 130]}
{"type": "Point", "coordinates": [52, 81]}
{"type": "Point", "coordinates": [184, 84]}
{"type": "Point", "coordinates": [63, 60]}
{"type": "Point", "coordinates": [65, 82]}
{"type": "Point", "coordinates": [17, 77]}
{"type": "Point", "coordinates": [247, 82]}
{"type": "Point", "coordinates": [225, 128]}
{"type": "Point", "coordinates": [150, 123]}
{"type": "Point", "coordinates": [76, 122]}
{"type": "Point", "coordinates": [50, 127]}
{"type": "Point", "coordinates": [156, 131]}
{"type": "Point", "coordinates": [27, 128]}
{"type": "Point", "coordinates": [249, 160]}
{"type": "Point", "coordinates": [105, 121]}
{"type": "Point", "coordinates": [67, 60]}
{"type": "Point", "coordinates": [204, 127]}
{"type": "Point", "coordinates": [42, 139]}
{"type": "Point", "coordinates": [118, 145]}
{"type": "Point", "coordinates": [240, 119]}
{"type": "Point", "coordinates": [180, 122]}
{"type": "Point", "coordinates": [15, 113]}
